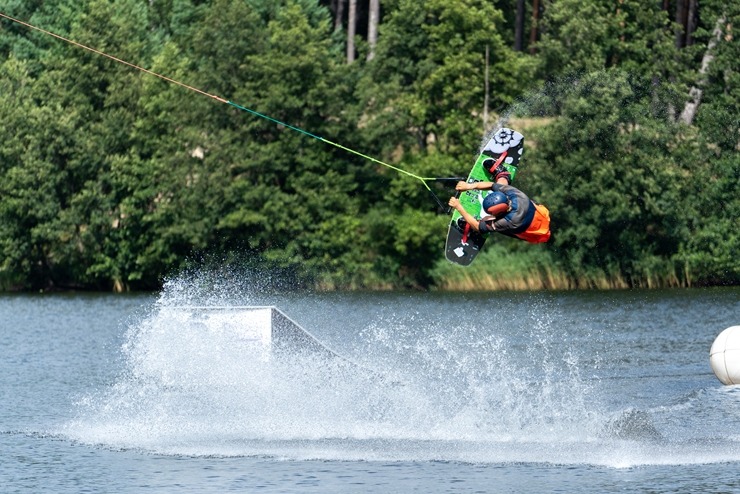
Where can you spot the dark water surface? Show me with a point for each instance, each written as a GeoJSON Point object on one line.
{"type": "Point", "coordinates": [514, 392]}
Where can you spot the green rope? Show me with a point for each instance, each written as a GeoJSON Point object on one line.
{"type": "Point", "coordinates": [222, 100]}
{"type": "Point", "coordinates": [422, 179]}
{"type": "Point", "coordinates": [305, 132]}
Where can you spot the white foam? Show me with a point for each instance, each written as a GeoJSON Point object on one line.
{"type": "Point", "coordinates": [454, 392]}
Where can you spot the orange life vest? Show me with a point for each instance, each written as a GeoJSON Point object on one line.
{"type": "Point", "coordinates": [539, 230]}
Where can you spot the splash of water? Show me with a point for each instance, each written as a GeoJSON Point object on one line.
{"type": "Point", "coordinates": [191, 387]}
{"type": "Point", "coordinates": [442, 391]}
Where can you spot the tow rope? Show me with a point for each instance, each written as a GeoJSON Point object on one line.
{"type": "Point", "coordinates": [423, 180]}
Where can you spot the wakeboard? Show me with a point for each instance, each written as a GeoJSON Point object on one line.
{"type": "Point", "coordinates": [463, 242]}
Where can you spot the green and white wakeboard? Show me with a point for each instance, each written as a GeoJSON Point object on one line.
{"type": "Point", "coordinates": [464, 242]}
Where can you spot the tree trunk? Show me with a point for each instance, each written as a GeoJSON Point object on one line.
{"type": "Point", "coordinates": [615, 55]}
{"type": "Point", "coordinates": [372, 27]}
{"type": "Point", "coordinates": [690, 23]}
{"type": "Point", "coordinates": [486, 89]}
{"type": "Point", "coordinates": [533, 30]}
{"type": "Point", "coordinates": [338, 13]}
{"type": "Point", "coordinates": [695, 94]}
{"type": "Point", "coordinates": [519, 26]}
{"type": "Point", "coordinates": [351, 30]}
{"type": "Point", "coordinates": [680, 18]}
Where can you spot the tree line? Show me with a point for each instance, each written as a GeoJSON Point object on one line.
{"type": "Point", "coordinates": [112, 179]}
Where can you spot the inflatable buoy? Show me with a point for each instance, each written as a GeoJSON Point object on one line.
{"type": "Point", "coordinates": [724, 356]}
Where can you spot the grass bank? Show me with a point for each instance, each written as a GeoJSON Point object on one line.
{"type": "Point", "coordinates": [503, 265]}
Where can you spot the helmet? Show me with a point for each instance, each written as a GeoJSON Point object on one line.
{"type": "Point", "coordinates": [496, 203]}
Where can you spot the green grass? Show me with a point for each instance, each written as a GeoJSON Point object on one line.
{"type": "Point", "coordinates": [507, 264]}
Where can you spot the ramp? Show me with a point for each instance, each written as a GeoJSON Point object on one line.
{"type": "Point", "coordinates": [265, 327]}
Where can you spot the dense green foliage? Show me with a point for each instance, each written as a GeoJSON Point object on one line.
{"type": "Point", "coordinates": [113, 179]}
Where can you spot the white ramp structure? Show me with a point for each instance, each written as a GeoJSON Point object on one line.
{"type": "Point", "coordinates": [264, 327]}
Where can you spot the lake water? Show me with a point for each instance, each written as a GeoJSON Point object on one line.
{"type": "Point", "coordinates": [496, 392]}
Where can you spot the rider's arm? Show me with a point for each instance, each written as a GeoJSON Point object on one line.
{"type": "Point", "coordinates": [455, 203]}
{"type": "Point", "coordinates": [474, 186]}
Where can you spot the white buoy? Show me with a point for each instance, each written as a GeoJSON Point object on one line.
{"type": "Point", "coordinates": [724, 356]}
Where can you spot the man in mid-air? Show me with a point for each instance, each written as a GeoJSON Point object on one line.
{"type": "Point", "coordinates": [509, 210]}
